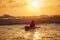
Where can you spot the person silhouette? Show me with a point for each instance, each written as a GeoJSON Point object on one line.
{"type": "Point", "coordinates": [32, 24]}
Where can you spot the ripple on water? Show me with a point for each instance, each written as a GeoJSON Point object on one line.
{"type": "Point", "coordinates": [45, 32]}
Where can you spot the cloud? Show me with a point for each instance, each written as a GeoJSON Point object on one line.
{"type": "Point", "coordinates": [11, 3]}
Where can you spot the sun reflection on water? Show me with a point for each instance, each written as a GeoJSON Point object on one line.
{"type": "Point", "coordinates": [37, 35]}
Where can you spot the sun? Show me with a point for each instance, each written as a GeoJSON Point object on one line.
{"type": "Point", "coordinates": [34, 3]}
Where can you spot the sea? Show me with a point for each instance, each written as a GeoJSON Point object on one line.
{"type": "Point", "coordinates": [41, 32]}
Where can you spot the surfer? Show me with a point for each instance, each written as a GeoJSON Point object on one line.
{"type": "Point", "coordinates": [32, 24]}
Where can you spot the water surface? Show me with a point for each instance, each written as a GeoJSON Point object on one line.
{"type": "Point", "coordinates": [17, 32]}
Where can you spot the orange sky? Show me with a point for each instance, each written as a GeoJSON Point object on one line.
{"type": "Point", "coordinates": [24, 8]}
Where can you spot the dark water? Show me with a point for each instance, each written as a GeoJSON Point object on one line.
{"type": "Point", "coordinates": [17, 32]}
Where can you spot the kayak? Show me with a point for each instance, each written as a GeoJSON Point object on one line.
{"type": "Point", "coordinates": [29, 28]}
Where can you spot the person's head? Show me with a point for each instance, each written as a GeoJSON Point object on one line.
{"type": "Point", "coordinates": [32, 21]}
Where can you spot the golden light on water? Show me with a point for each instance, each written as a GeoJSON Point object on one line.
{"type": "Point", "coordinates": [37, 35]}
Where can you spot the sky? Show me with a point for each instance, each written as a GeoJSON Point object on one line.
{"type": "Point", "coordinates": [29, 7]}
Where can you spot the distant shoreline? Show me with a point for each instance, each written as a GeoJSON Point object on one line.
{"type": "Point", "coordinates": [28, 24]}
{"type": "Point", "coordinates": [43, 19]}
